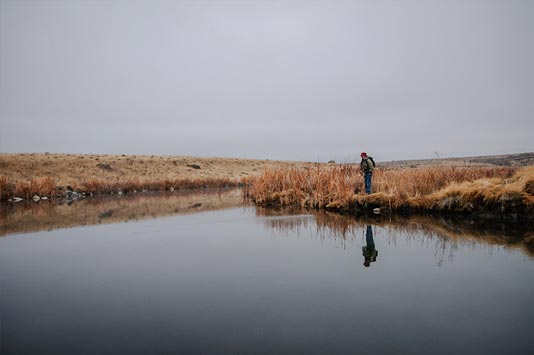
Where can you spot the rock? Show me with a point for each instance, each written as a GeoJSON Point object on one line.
{"type": "Point", "coordinates": [194, 166]}
{"type": "Point", "coordinates": [376, 210]}
{"type": "Point", "coordinates": [331, 162]}
{"type": "Point", "coordinates": [171, 189]}
{"type": "Point", "coordinates": [104, 166]}
{"type": "Point", "coordinates": [105, 214]}
{"type": "Point", "coordinates": [44, 198]}
{"type": "Point", "coordinates": [17, 199]}
{"type": "Point", "coordinates": [36, 198]}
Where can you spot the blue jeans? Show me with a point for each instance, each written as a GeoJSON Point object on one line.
{"type": "Point", "coordinates": [368, 176]}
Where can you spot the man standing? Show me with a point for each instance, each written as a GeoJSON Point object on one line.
{"type": "Point", "coordinates": [366, 166]}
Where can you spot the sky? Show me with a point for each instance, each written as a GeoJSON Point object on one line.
{"type": "Point", "coordinates": [290, 80]}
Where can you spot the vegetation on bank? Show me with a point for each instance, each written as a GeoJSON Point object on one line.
{"type": "Point", "coordinates": [329, 186]}
{"type": "Point", "coordinates": [53, 175]}
{"type": "Point", "coordinates": [47, 187]}
{"type": "Point", "coordinates": [452, 189]}
{"type": "Point", "coordinates": [67, 169]}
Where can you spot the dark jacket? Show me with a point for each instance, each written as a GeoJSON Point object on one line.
{"type": "Point", "coordinates": [367, 165]}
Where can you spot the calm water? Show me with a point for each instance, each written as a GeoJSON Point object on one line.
{"type": "Point", "coordinates": [241, 281]}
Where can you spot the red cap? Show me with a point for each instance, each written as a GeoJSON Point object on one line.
{"type": "Point", "coordinates": [364, 154]}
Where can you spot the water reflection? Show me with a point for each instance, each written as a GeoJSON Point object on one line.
{"type": "Point", "coordinates": [256, 281]}
{"type": "Point", "coordinates": [47, 215]}
{"type": "Point", "coordinates": [369, 250]}
{"type": "Point", "coordinates": [446, 233]}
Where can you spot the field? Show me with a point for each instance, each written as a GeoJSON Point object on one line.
{"type": "Point", "coordinates": [414, 184]}
{"type": "Point", "coordinates": [26, 175]}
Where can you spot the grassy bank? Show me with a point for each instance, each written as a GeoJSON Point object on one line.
{"type": "Point", "coordinates": [314, 185]}
{"type": "Point", "coordinates": [442, 189]}
{"type": "Point", "coordinates": [47, 187]}
{"type": "Point", "coordinates": [51, 175]}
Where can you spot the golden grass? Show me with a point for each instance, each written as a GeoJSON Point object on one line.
{"type": "Point", "coordinates": [47, 186]}
{"type": "Point", "coordinates": [25, 175]}
{"type": "Point", "coordinates": [433, 188]}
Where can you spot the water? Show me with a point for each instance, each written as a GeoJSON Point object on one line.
{"type": "Point", "coordinates": [241, 280]}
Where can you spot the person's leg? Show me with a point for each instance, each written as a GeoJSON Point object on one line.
{"type": "Point", "coordinates": [369, 238]}
{"type": "Point", "coordinates": [367, 178]}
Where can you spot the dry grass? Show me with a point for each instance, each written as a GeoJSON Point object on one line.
{"type": "Point", "coordinates": [437, 188]}
{"type": "Point", "coordinates": [24, 175]}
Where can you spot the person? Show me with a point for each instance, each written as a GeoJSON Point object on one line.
{"type": "Point", "coordinates": [367, 166]}
{"type": "Point", "coordinates": [369, 251]}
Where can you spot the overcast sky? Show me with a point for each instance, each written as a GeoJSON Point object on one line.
{"type": "Point", "coordinates": [304, 80]}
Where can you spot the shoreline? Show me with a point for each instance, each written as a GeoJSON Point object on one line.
{"type": "Point", "coordinates": [29, 217]}
{"type": "Point", "coordinates": [35, 176]}
{"type": "Point", "coordinates": [484, 192]}
{"type": "Point", "coordinates": [59, 176]}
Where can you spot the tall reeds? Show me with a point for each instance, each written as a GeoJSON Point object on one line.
{"type": "Point", "coordinates": [341, 187]}
{"type": "Point", "coordinates": [46, 186]}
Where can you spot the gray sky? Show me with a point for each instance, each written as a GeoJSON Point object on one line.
{"type": "Point", "coordinates": [303, 80]}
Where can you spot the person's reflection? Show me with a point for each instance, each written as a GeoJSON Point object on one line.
{"type": "Point", "coordinates": [369, 252]}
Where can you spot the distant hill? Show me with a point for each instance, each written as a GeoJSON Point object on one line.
{"type": "Point", "coordinates": [520, 159]}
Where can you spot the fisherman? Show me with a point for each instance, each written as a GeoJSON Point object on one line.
{"type": "Point", "coordinates": [369, 251]}
{"type": "Point", "coordinates": [366, 166]}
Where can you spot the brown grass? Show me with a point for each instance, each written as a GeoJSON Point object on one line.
{"type": "Point", "coordinates": [432, 188]}
{"type": "Point", "coordinates": [105, 187]}
{"type": "Point", "coordinates": [25, 175]}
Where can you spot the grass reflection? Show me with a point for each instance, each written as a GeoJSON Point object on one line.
{"type": "Point", "coordinates": [448, 233]}
{"type": "Point", "coordinates": [47, 215]}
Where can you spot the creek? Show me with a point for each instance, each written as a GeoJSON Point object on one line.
{"type": "Point", "coordinates": [205, 273]}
